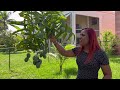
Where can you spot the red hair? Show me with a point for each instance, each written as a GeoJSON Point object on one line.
{"type": "Point", "coordinates": [93, 44]}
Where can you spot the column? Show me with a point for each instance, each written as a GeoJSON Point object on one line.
{"type": "Point", "coordinates": [73, 25]}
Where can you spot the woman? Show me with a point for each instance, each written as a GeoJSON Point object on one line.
{"type": "Point", "coordinates": [89, 56]}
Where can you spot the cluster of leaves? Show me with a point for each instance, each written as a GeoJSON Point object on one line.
{"type": "Point", "coordinates": [108, 41]}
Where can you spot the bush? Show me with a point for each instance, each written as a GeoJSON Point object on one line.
{"type": "Point", "coordinates": [115, 46]}
{"type": "Point", "coordinates": [108, 41]}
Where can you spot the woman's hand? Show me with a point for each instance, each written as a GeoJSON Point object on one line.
{"type": "Point", "coordinates": [52, 39]}
{"type": "Point", "coordinates": [62, 51]}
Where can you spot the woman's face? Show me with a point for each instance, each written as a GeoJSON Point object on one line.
{"type": "Point", "coordinates": [84, 38]}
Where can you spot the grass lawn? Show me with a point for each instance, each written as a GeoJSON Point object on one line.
{"type": "Point", "coordinates": [49, 68]}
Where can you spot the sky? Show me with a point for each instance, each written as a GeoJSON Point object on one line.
{"type": "Point", "coordinates": [15, 16]}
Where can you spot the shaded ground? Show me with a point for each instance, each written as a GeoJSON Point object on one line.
{"type": "Point", "coordinates": [70, 71]}
{"type": "Point", "coordinates": [115, 59]}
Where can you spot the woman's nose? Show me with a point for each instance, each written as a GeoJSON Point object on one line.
{"type": "Point", "coordinates": [80, 37]}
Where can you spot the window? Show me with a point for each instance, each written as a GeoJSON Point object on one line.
{"type": "Point", "coordinates": [94, 21]}
{"type": "Point", "coordinates": [78, 31]}
{"type": "Point", "coordinates": [78, 26]}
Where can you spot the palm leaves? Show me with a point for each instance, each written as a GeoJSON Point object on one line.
{"type": "Point", "coordinates": [4, 19]}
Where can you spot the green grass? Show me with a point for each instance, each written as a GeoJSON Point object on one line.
{"type": "Point", "coordinates": [49, 68]}
{"type": "Point", "coordinates": [115, 67]}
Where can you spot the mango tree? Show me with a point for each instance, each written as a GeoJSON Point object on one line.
{"type": "Point", "coordinates": [38, 26]}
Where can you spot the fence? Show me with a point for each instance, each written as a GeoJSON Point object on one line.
{"type": "Point", "coordinates": [7, 51]}
{"type": "Point", "coordinates": [13, 65]}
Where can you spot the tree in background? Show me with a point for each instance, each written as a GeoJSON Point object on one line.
{"type": "Point", "coordinates": [6, 37]}
{"type": "Point", "coordinates": [4, 19]}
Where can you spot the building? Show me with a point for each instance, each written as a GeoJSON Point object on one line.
{"type": "Point", "coordinates": [117, 23]}
{"type": "Point", "coordinates": [98, 20]}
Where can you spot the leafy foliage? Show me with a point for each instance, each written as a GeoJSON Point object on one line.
{"type": "Point", "coordinates": [38, 27]}
{"type": "Point", "coordinates": [8, 40]}
{"type": "Point", "coordinates": [108, 41]}
{"type": "Point", "coordinates": [4, 19]}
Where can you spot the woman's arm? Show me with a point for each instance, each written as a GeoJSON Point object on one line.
{"type": "Point", "coordinates": [62, 51]}
{"type": "Point", "coordinates": [106, 71]}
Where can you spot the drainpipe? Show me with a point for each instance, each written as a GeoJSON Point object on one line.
{"type": "Point", "coordinates": [73, 25]}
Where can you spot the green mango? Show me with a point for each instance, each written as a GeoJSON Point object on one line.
{"type": "Point", "coordinates": [26, 59]}
{"type": "Point", "coordinates": [38, 64]}
{"type": "Point", "coordinates": [28, 55]}
{"type": "Point", "coordinates": [41, 55]}
{"type": "Point", "coordinates": [34, 62]}
{"type": "Point", "coordinates": [44, 56]}
{"type": "Point", "coordinates": [35, 58]}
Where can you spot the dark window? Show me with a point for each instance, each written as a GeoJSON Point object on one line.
{"type": "Point", "coordinates": [78, 31]}
{"type": "Point", "coordinates": [94, 21]}
{"type": "Point", "coordinates": [78, 26]}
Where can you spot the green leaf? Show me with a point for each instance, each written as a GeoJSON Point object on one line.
{"type": "Point", "coordinates": [15, 26]}
{"type": "Point", "coordinates": [1, 17]}
{"type": "Point", "coordinates": [69, 47]}
{"type": "Point", "coordinates": [17, 22]}
{"type": "Point", "coordinates": [58, 34]}
{"type": "Point", "coordinates": [17, 31]}
{"type": "Point", "coordinates": [64, 35]}
{"type": "Point", "coordinates": [70, 35]}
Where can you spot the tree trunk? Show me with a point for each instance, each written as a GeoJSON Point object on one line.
{"type": "Point", "coordinates": [60, 69]}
